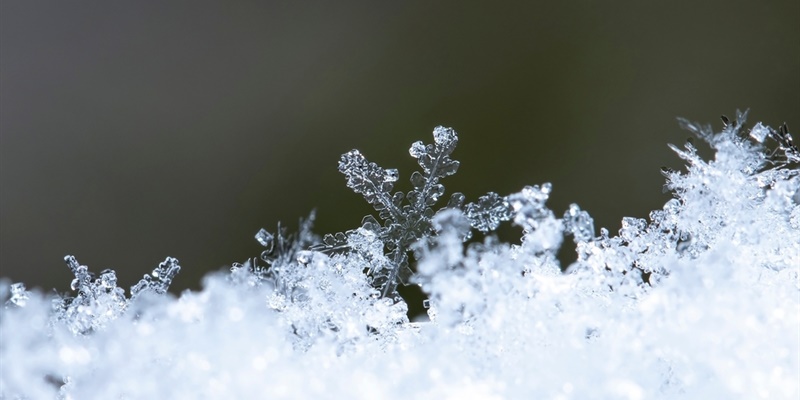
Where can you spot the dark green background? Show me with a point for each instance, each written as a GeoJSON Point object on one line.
{"type": "Point", "coordinates": [132, 131]}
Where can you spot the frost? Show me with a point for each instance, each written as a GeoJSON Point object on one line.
{"type": "Point", "coordinates": [701, 299]}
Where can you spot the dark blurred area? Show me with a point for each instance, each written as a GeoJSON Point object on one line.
{"type": "Point", "coordinates": [132, 131]}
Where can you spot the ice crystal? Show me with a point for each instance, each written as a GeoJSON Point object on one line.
{"type": "Point", "coordinates": [578, 223]}
{"type": "Point", "coordinates": [281, 252]}
{"type": "Point", "coordinates": [541, 230]}
{"type": "Point", "coordinates": [408, 215]}
{"type": "Point", "coordinates": [487, 214]}
{"type": "Point", "coordinates": [19, 296]}
{"type": "Point", "coordinates": [266, 239]}
{"type": "Point", "coordinates": [699, 300]}
{"type": "Point", "coordinates": [97, 301]}
{"type": "Point", "coordinates": [321, 294]}
{"type": "Point", "coordinates": [159, 280]}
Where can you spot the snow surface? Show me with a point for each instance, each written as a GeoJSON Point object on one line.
{"type": "Point", "coordinates": [701, 300]}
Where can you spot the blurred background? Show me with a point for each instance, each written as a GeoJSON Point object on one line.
{"type": "Point", "coordinates": [132, 131]}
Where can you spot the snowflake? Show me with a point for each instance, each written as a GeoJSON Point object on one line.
{"type": "Point", "coordinates": [407, 216]}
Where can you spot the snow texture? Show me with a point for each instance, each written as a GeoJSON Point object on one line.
{"type": "Point", "coordinates": [700, 300]}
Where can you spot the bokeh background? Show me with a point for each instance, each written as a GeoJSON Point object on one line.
{"type": "Point", "coordinates": [132, 131]}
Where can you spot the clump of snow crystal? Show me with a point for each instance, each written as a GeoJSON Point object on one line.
{"type": "Point", "coordinates": [699, 300]}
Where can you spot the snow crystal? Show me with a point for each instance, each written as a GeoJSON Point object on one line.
{"type": "Point", "coordinates": [265, 239]}
{"type": "Point", "coordinates": [700, 300]}
{"type": "Point", "coordinates": [19, 296]}
{"type": "Point", "coordinates": [578, 223]}
{"type": "Point", "coordinates": [759, 132]}
{"type": "Point", "coordinates": [487, 214]}
{"type": "Point", "coordinates": [408, 216]}
{"type": "Point", "coordinates": [159, 280]}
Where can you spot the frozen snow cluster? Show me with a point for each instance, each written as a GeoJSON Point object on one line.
{"type": "Point", "coordinates": [700, 300]}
